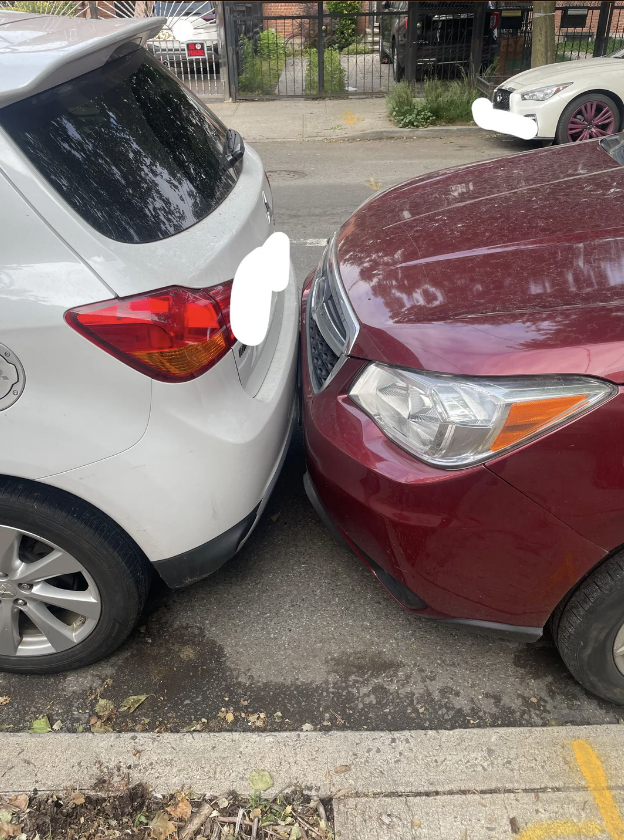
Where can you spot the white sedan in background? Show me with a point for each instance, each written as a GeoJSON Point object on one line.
{"type": "Point", "coordinates": [569, 101]}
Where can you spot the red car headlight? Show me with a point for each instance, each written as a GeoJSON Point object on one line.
{"type": "Point", "coordinates": [457, 421]}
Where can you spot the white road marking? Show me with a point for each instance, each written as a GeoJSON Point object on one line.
{"type": "Point", "coordinates": [310, 243]}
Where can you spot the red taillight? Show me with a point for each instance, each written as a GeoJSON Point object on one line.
{"type": "Point", "coordinates": [173, 335]}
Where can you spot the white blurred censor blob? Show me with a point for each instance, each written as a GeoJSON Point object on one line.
{"type": "Point", "coordinates": [183, 30]}
{"type": "Point", "coordinates": [486, 116]}
{"type": "Point", "coordinates": [264, 271]}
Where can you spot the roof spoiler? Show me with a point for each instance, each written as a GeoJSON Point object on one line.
{"type": "Point", "coordinates": [99, 40]}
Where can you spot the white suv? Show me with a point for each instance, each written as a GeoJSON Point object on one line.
{"type": "Point", "coordinates": [136, 433]}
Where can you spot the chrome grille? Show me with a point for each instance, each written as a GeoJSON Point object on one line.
{"type": "Point", "coordinates": [332, 325]}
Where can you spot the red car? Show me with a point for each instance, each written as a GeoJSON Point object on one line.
{"type": "Point", "coordinates": [463, 387]}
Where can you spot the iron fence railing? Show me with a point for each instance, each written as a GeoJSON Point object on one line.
{"type": "Point", "coordinates": [304, 53]}
{"type": "Point", "coordinates": [307, 50]}
{"type": "Point", "coordinates": [582, 30]}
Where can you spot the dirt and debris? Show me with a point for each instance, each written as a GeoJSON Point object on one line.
{"type": "Point", "coordinates": [183, 815]}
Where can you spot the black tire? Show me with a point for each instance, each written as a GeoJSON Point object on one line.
{"type": "Point", "coordinates": [119, 568]}
{"type": "Point", "coordinates": [586, 628]}
{"type": "Point", "coordinates": [561, 135]}
{"type": "Point", "coordinates": [397, 70]}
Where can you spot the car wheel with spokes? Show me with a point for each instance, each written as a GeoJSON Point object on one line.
{"type": "Point", "coordinates": [72, 584]}
{"type": "Point", "coordinates": [589, 117]}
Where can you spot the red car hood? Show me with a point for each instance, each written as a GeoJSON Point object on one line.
{"type": "Point", "coordinates": [506, 267]}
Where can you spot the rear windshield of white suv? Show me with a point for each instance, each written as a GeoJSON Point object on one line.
{"type": "Point", "coordinates": [128, 148]}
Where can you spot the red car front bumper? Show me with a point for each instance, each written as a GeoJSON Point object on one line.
{"type": "Point", "coordinates": [467, 543]}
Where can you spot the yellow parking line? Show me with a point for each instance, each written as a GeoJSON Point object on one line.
{"type": "Point", "coordinates": [560, 828]}
{"type": "Point", "coordinates": [596, 780]}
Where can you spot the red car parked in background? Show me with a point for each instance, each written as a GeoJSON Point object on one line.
{"type": "Point", "coordinates": [464, 397]}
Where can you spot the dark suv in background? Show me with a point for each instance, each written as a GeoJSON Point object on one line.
{"type": "Point", "coordinates": [445, 35]}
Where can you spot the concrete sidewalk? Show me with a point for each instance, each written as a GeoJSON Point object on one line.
{"type": "Point", "coordinates": [315, 119]}
{"type": "Point", "coordinates": [532, 784]}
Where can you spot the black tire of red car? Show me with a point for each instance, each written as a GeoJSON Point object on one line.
{"type": "Point", "coordinates": [561, 135]}
{"type": "Point", "coordinates": [397, 70]}
{"type": "Point", "coordinates": [119, 568]}
{"type": "Point", "coordinates": [586, 629]}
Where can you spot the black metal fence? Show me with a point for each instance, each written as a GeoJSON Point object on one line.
{"type": "Point", "coordinates": [306, 51]}
{"type": "Point", "coordinates": [582, 30]}
{"type": "Point", "coordinates": [310, 50]}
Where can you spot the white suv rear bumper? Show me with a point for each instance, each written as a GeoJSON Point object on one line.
{"type": "Point", "coordinates": [207, 460]}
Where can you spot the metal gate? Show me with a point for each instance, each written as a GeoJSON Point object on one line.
{"type": "Point", "coordinates": [307, 50]}
{"type": "Point", "coordinates": [349, 49]}
{"type": "Point", "coordinates": [188, 44]}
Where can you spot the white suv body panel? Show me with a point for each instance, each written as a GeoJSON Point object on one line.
{"type": "Point", "coordinates": [176, 465]}
{"type": "Point", "coordinates": [207, 459]}
{"type": "Point", "coordinates": [79, 404]}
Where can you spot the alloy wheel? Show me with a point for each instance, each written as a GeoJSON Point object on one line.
{"type": "Point", "coordinates": [591, 119]}
{"type": "Point", "coordinates": [48, 601]}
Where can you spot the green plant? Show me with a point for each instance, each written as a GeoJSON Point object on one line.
{"type": "Point", "coordinates": [345, 30]}
{"type": "Point", "coordinates": [358, 48]}
{"type": "Point", "coordinates": [262, 67]}
{"type": "Point", "coordinates": [270, 45]}
{"type": "Point", "coordinates": [45, 7]}
{"type": "Point", "coordinates": [334, 74]}
{"type": "Point", "coordinates": [451, 102]}
{"type": "Point", "coordinates": [443, 103]}
{"type": "Point", "coordinates": [405, 110]}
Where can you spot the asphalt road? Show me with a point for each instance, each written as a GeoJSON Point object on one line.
{"type": "Point", "coordinates": [295, 629]}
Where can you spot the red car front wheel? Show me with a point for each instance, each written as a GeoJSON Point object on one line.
{"type": "Point", "coordinates": [589, 631]}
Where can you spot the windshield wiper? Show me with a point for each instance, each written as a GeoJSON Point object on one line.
{"type": "Point", "coordinates": [234, 147]}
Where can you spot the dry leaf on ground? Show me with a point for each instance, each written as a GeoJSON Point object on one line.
{"type": "Point", "coordinates": [131, 704]}
{"type": "Point", "coordinates": [77, 798]}
{"type": "Point", "coordinates": [104, 707]}
{"type": "Point", "coordinates": [99, 727]}
{"type": "Point", "coordinates": [20, 801]}
{"type": "Point", "coordinates": [260, 780]}
{"type": "Point", "coordinates": [9, 830]}
{"type": "Point", "coordinates": [344, 768]}
{"type": "Point", "coordinates": [4, 700]}
{"type": "Point", "coordinates": [161, 826]}
{"type": "Point", "coordinates": [40, 726]}
{"type": "Point", "coordinates": [180, 809]}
